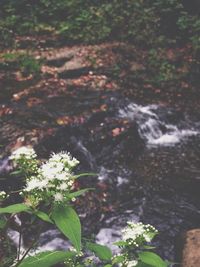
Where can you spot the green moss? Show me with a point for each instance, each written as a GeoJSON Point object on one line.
{"type": "Point", "coordinates": [25, 63]}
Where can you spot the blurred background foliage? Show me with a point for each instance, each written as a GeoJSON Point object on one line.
{"type": "Point", "coordinates": [152, 25]}
{"type": "Point", "coordinates": [148, 23]}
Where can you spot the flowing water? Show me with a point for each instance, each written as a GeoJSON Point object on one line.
{"type": "Point", "coordinates": [156, 129]}
{"type": "Point", "coordinates": [151, 168]}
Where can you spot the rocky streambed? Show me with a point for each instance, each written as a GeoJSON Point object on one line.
{"type": "Point", "coordinates": [142, 142]}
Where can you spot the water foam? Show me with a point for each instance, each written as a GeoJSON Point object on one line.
{"type": "Point", "coordinates": [152, 128]}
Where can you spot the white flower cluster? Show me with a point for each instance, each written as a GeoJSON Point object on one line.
{"type": "Point", "coordinates": [2, 195]}
{"type": "Point", "coordinates": [27, 152]}
{"type": "Point", "coordinates": [137, 233]}
{"type": "Point", "coordinates": [132, 263]}
{"type": "Point", "coordinates": [54, 178]}
{"type": "Point", "coordinates": [66, 158]}
{"type": "Point", "coordinates": [126, 262]}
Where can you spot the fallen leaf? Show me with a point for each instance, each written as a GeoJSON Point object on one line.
{"type": "Point", "coordinates": [65, 120]}
{"type": "Point", "coordinates": [103, 107]}
{"type": "Point", "coordinates": [117, 131]}
{"type": "Point", "coordinates": [5, 111]}
{"type": "Point", "coordinates": [33, 101]}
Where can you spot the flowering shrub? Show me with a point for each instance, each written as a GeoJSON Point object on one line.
{"type": "Point", "coordinates": [137, 233]}
{"type": "Point", "coordinates": [53, 180]}
{"type": "Point", "coordinates": [51, 185]}
{"type": "Point", "coordinates": [135, 237]}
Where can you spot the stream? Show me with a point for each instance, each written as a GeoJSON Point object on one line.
{"type": "Point", "coordinates": [147, 162]}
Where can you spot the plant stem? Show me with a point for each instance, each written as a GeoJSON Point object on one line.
{"type": "Point", "coordinates": [30, 247]}
{"type": "Point", "coordinates": [19, 245]}
{"type": "Point", "coordinates": [26, 253]}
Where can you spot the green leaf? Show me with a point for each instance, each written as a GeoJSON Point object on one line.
{"type": "Point", "coordinates": [118, 259]}
{"type": "Point", "coordinates": [142, 264]}
{"type": "Point", "coordinates": [2, 223]}
{"type": "Point", "coordinates": [16, 208]}
{"type": "Point", "coordinates": [16, 172]}
{"type": "Point", "coordinates": [152, 259]}
{"type": "Point", "coordinates": [67, 220]}
{"type": "Point", "coordinates": [46, 259]}
{"type": "Point", "coordinates": [85, 174]}
{"type": "Point", "coordinates": [102, 252]}
{"type": "Point", "coordinates": [120, 243]}
{"type": "Point", "coordinates": [43, 216]}
{"type": "Point", "coordinates": [79, 193]}
{"type": "Point", "coordinates": [149, 247]}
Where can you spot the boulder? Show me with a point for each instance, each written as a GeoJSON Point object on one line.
{"type": "Point", "coordinates": [191, 249]}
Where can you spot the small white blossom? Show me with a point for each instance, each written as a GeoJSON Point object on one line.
{"type": "Point", "coordinates": [42, 184]}
{"type": "Point", "coordinates": [71, 182]}
{"type": "Point", "coordinates": [50, 170]}
{"type": "Point", "coordinates": [63, 186]}
{"type": "Point", "coordinates": [32, 184]}
{"type": "Point", "coordinates": [66, 158]}
{"type": "Point", "coordinates": [132, 263]}
{"type": "Point", "coordinates": [135, 233]}
{"type": "Point", "coordinates": [63, 176]}
{"type": "Point", "coordinates": [2, 195]}
{"type": "Point", "coordinates": [58, 197]}
{"type": "Point", "coordinates": [80, 254]}
{"type": "Point", "coordinates": [147, 238]}
{"type": "Point", "coordinates": [132, 232]}
{"type": "Point", "coordinates": [27, 152]}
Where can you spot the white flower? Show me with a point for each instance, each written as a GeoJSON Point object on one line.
{"type": "Point", "coordinates": [58, 197]}
{"type": "Point", "coordinates": [133, 231]}
{"type": "Point", "coordinates": [58, 166]}
{"type": "Point", "coordinates": [64, 176]}
{"type": "Point", "coordinates": [2, 195]}
{"type": "Point", "coordinates": [52, 179]}
{"type": "Point", "coordinates": [50, 170]}
{"type": "Point", "coordinates": [42, 184]}
{"type": "Point", "coordinates": [132, 263]}
{"type": "Point", "coordinates": [66, 158]}
{"type": "Point", "coordinates": [147, 238]}
{"type": "Point", "coordinates": [27, 152]}
{"type": "Point", "coordinates": [63, 186]}
{"type": "Point", "coordinates": [70, 183]}
{"type": "Point", "coordinates": [32, 184]}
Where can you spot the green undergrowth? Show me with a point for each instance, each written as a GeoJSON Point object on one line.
{"type": "Point", "coordinates": [145, 22]}
{"type": "Point", "coordinates": [23, 62]}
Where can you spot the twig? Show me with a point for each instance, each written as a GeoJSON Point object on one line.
{"type": "Point", "coordinates": [30, 247]}
{"type": "Point", "coordinates": [26, 253]}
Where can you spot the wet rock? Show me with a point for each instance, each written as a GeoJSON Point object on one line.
{"type": "Point", "coordinates": [107, 236]}
{"type": "Point", "coordinates": [191, 251]}
{"type": "Point", "coordinates": [73, 71]}
{"type": "Point", "coordinates": [134, 66]}
{"type": "Point", "coordinates": [4, 166]}
{"type": "Point", "coordinates": [132, 144]}
{"type": "Point", "coordinates": [59, 61]}
{"type": "Point", "coordinates": [73, 68]}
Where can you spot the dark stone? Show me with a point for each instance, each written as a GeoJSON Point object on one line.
{"type": "Point", "coordinates": [191, 251]}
